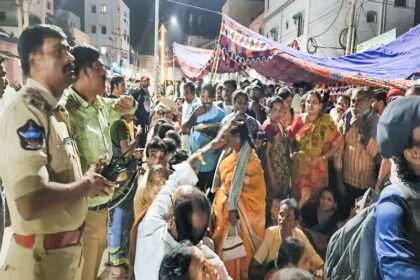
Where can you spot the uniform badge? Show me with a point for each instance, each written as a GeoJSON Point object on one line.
{"type": "Point", "coordinates": [31, 136]}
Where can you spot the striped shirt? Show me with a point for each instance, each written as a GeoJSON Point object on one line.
{"type": "Point", "coordinates": [356, 160]}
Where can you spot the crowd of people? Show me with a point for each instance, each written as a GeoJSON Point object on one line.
{"type": "Point", "coordinates": [235, 180]}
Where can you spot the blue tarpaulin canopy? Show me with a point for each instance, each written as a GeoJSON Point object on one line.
{"type": "Point", "coordinates": [384, 66]}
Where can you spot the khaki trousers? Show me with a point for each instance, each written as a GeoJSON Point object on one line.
{"type": "Point", "coordinates": [38, 264]}
{"type": "Point", "coordinates": [94, 242]}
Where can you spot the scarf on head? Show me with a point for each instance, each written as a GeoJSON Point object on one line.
{"type": "Point", "coordinates": [238, 177]}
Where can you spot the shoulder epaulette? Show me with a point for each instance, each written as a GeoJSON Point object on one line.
{"type": "Point", "coordinates": [34, 98]}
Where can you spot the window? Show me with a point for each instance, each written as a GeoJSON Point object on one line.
{"type": "Point", "coordinates": [371, 16]}
{"type": "Point", "coordinates": [287, 24]}
{"type": "Point", "coordinates": [125, 35]}
{"type": "Point", "coordinates": [125, 17]}
{"type": "Point", "coordinates": [49, 5]}
{"type": "Point", "coordinates": [268, 4]}
{"type": "Point", "coordinates": [3, 16]}
{"type": "Point", "coordinates": [93, 9]}
{"type": "Point", "coordinates": [128, 38]}
{"type": "Point", "coordinates": [103, 30]}
{"type": "Point", "coordinates": [103, 9]}
{"type": "Point", "coordinates": [300, 22]}
{"type": "Point", "coordinates": [93, 29]}
{"type": "Point", "coordinates": [274, 33]}
{"type": "Point", "coordinates": [400, 3]}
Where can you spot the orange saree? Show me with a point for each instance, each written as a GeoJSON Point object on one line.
{"type": "Point", "coordinates": [251, 208]}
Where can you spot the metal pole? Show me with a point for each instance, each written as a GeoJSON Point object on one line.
{"type": "Point", "coordinates": [156, 48]}
{"type": "Point", "coordinates": [350, 33]}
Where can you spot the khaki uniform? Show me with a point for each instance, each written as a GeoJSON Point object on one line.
{"type": "Point", "coordinates": [29, 160]}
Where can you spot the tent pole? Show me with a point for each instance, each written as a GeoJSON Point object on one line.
{"type": "Point", "coordinates": [215, 66]}
{"type": "Point", "coordinates": [350, 32]}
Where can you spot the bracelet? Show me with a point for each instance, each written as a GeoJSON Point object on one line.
{"type": "Point", "coordinates": [200, 157]}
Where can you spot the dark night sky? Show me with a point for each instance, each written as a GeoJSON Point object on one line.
{"type": "Point", "coordinates": [142, 19]}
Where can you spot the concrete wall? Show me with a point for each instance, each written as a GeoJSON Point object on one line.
{"type": "Point", "coordinates": [258, 24]}
{"type": "Point", "coordinates": [243, 11]}
{"type": "Point", "coordinates": [319, 15]}
{"type": "Point", "coordinates": [14, 71]}
{"type": "Point", "coordinates": [67, 18]}
{"type": "Point", "coordinates": [80, 37]}
{"type": "Point", "coordinates": [42, 9]}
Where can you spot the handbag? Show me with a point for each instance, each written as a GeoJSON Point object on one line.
{"type": "Point", "coordinates": [233, 246]}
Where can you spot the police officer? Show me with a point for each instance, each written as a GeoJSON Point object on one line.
{"type": "Point", "coordinates": [45, 189]}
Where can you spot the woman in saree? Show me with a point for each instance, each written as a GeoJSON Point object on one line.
{"type": "Point", "coordinates": [316, 139]}
{"type": "Point", "coordinates": [278, 162]}
{"type": "Point", "coordinates": [240, 201]}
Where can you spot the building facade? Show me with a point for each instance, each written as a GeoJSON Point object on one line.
{"type": "Point", "coordinates": [15, 15]}
{"type": "Point", "coordinates": [320, 27]}
{"type": "Point", "coordinates": [258, 24]}
{"type": "Point", "coordinates": [71, 25]}
{"type": "Point", "coordinates": [14, 70]}
{"type": "Point", "coordinates": [107, 23]}
{"type": "Point", "coordinates": [243, 11]}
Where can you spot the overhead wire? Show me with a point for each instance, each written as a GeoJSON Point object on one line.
{"type": "Point", "coordinates": [195, 7]}
{"type": "Point", "coordinates": [328, 28]}
{"type": "Point", "coordinates": [316, 20]}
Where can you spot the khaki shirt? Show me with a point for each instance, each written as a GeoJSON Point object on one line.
{"type": "Point", "coordinates": [28, 162]}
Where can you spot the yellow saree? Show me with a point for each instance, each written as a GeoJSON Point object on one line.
{"type": "Point", "coordinates": [251, 208]}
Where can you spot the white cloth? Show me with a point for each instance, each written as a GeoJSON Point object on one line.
{"type": "Point", "coordinates": [153, 239]}
{"type": "Point", "coordinates": [227, 109]}
{"type": "Point", "coordinates": [181, 90]}
{"type": "Point", "coordinates": [296, 103]}
{"type": "Point", "coordinates": [186, 109]}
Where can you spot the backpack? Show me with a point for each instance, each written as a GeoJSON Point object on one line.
{"type": "Point", "coordinates": [351, 251]}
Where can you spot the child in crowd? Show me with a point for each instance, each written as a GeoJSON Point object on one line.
{"type": "Point", "coordinates": [153, 181]}
{"type": "Point", "coordinates": [291, 254]}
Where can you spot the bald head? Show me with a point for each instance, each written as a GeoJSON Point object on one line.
{"type": "Point", "coordinates": [191, 212]}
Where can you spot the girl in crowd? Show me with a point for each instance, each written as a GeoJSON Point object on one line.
{"type": "Point", "coordinates": [149, 187]}
{"type": "Point", "coordinates": [287, 95]}
{"type": "Point", "coordinates": [291, 254]}
{"type": "Point", "coordinates": [278, 151]}
{"type": "Point", "coordinates": [241, 198]}
{"type": "Point", "coordinates": [316, 139]}
{"type": "Point", "coordinates": [186, 262]}
{"type": "Point", "coordinates": [322, 216]}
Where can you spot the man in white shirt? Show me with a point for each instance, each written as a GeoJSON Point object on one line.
{"type": "Point", "coordinates": [190, 99]}
{"type": "Point", "coordinates": [181, 87]}
{"type": "Point", "coordinates": [188, 213]}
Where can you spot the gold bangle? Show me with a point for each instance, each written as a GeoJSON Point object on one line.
{"type": "Point", "coordinates": [200, 157]}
